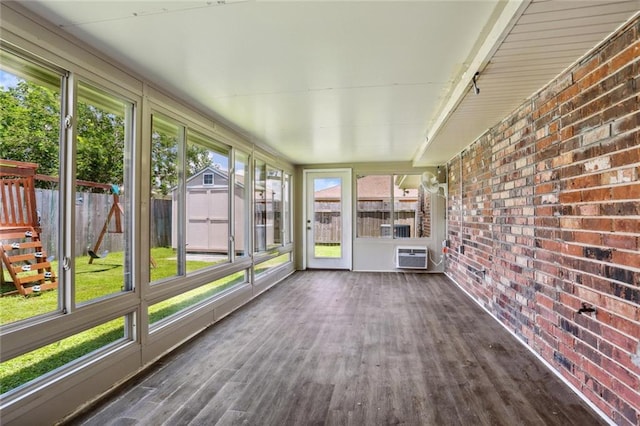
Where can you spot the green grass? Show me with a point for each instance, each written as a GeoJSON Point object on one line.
{"type": "Point", "coordinates": [328, 250]}
{"type": "Point", "coordinates": [34, 364]}
{"type": "Point", "coordinates": [175, 304]}
{"type": "Point", "coordinates": [103, 277]}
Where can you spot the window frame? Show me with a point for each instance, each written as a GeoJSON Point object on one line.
{"type": "Point", "coordinates": [392, 175]}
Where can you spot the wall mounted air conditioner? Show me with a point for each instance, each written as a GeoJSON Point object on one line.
{"type": "Point", "coordinates": [411, 257]}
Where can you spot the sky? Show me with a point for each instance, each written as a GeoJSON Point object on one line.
{"type": "Point", "coordinates": [8, 80]}
{"type": "Point", "coordinates": [324, 183]}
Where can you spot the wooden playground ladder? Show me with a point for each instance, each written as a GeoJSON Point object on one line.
{"type": "Point", "coordinates": [25, 259]}
{"type": "Point", "coordinates": [21, 250]}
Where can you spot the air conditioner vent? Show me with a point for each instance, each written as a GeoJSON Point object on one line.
{"type": "Point", "coordinates": [411, 257]}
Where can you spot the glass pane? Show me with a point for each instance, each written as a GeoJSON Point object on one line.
{"type": "Point", "coordinates": [327, 223]}
{"type": "Point", "coordinates": [374, 206]}
{"type": "Point", "coordinates": [260, 205]}
{"type": "Point", "coordinates": [274, 207]}
{"type": "Point", "coordinates": [207, 202]}
{"type": "Point", "coordinates": [180, 303]}
{"type": "Point", "coordinates": [412, 208]}
{"type": "Point", "coordinates": [30, 155]}
{"type": "Point", "coordinates": [272, 264]}
{"type": "Point", "coordinates": [102, 220]}
{"type": "Point", "coordinates": [166, 138]}
{"type": "Point", "coordinates": [242, 202]}
{"type": "Point", "coordinates": [27, 367]}
{"type": "Point", "coordinates": [286, 209]}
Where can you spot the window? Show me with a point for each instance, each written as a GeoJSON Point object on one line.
{"type": "Point", "coordinates": [272, 264]}
{"type": "Point", "coordinates": [392, 206]}
{"type": "Point", "coordinates": [260, 206]}
{"type": "Point", "coordinates": [32, 365]}
{"type": "Point", "coordinates": [373, 206]}
{"type": "Point", "coordinates": [103, 211]}
{"type": "Point", "coordinates": [286, 210]}
{"type": "Point", "coordinates": [31, 99]}
{"type": "Point", "coordinates": [241, 200]}
{"type": "Point", "coordinates": [274, 207]}
{"type": "Point", "coordinates": [411, 208]}
{"type": "Point", "coordinates": [188, 299]}
{"type": "Point", "coordinates": [207, 203]}
{"type": "Point", "coordinates": [32, 164]}
{"type": "Point", "coordinates": [167, 136]}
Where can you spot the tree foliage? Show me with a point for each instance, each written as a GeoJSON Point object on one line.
{"type": "Point", "coordinates": [30, 131]}
{"type": "Point", "coordinates": [100, 145]}
{"type": "Point", "coordinates": [30, 126]}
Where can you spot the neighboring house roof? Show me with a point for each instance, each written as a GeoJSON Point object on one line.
{"type": "Point", "coordinates": [374, 187]}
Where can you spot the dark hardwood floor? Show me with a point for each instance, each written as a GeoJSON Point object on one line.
{"type": "Point", "coordinates": [344, 348]}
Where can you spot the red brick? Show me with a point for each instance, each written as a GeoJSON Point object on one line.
{"type": "Point", "coordinates": [598, 194]}
{"type": "Point", "coordinates": [582, 182]}
{"type": "Point", "coordinates": [572, 250]}
{"type": "Point", "coordinates": [587, 295]}
{"type": "Point", "coordinates": [598, 224]}
{"type": "Point", "coordinates": [619, 307]}
{"type": "Point", "coordinates": [597, 400]}
{"type": "Point", "coordinates": [621, 324]}
{"type": "Point", "coordinates": [628, 55]}
{"type": "Point", "coordinates": [567, 133]}
{"type": "Point", "coordinates": [625, 359]}
{"type": "Point", "coordinates": [626, 192]}
{"type": "Point", "coordinates": [624, 158]}
{"type": "Point", "coordinates": [626, 225]}
{"type": "Point", "coordinates": [571, 301]}
{"type": "Point", "coordinates": [596, 371]}
{"type": "Point", "coordinates": [624, 124]}
{"type": "Point", "coordinates": [627, 394]}
{"type": "Point", "coordinates": [571, 222]}
{"type": "Point", "coordinates": [621, 373]}
{"type": "Point", "coordinates": [628, 242]}
{"type": "Point", "coordinates": [626, 258]}
{"type": "Point", "coordinates": [566, 197]}
{"type": "Point", "coordinates": [594, 77]}
{"type": "Point", "coordinates": [589, 209]}
{"type": "Point", "coordinates": [562, 172]}
{"type": "Point", "coordinates": [590, 238]}
{"type": "Point", "coordinates": [586, 67]}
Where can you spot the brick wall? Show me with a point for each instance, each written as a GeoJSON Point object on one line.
{"type": "Point", "coordinates": [544, 216]}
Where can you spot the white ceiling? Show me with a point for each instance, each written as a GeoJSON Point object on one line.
{"type": "Point", "coordinates": [330, 82]}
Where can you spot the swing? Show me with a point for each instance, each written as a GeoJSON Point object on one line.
{"type": "Point", "coordinates": [117, 211]}
{"type": "Point", "coordinates": [95, 255]}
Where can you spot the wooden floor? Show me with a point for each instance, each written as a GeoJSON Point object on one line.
{"type": "Point", "coordinates": [344, 348]}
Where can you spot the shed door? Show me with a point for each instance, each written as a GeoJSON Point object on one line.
{"type": "Point", "coordinates": [198, 219]}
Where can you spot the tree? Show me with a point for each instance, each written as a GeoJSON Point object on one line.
{"type": "Point", "coordinates": [30, 132]}
{"type": "Point", "coordinates": [100, 147]}
{"type": "Point", "coordinates": [30, 126]}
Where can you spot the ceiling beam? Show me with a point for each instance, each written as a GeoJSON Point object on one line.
{"type": "Point", "coordinates": [504, 22]}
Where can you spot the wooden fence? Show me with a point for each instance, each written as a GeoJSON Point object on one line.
{"type": "Point", "coordinates": [373, 219]}
{"type": "Point", "coordinates": [92, 210]}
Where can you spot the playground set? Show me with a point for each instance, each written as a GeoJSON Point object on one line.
{"type": "Point", "coordinates": [21, 249]}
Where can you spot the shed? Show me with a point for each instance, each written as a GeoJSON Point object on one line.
{"type": "Point", "coordinates": [207, 212]}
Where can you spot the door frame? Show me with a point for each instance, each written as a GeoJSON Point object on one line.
{"type": "Point", "coordinates": [346, 215]}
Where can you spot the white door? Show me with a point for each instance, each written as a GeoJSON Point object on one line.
{"type": "Point", "coordinates": [328, 218]}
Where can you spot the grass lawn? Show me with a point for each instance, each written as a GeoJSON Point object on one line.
{"type": "Point", "coordinates": [103, 277]}
{"type": "Point", "coordinates": [328, 250]}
